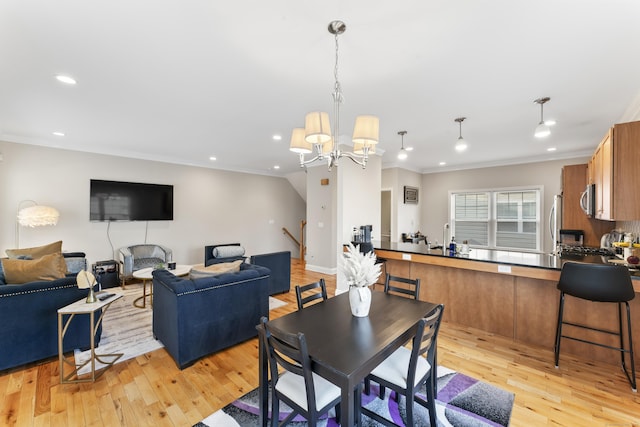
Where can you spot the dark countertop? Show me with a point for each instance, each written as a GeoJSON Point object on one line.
{"type": "Point", "coordinates": [525, 259]}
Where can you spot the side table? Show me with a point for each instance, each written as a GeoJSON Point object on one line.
{"type": "Point", "coordinates": [146, 274]}
{"type": "Point", "coordinates": [82, 307]}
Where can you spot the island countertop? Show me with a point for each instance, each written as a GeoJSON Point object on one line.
{"type": "Point", "coordinates": [493, 256]}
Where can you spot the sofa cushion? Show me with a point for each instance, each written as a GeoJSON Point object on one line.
{"type": "Point", "coordinates": [47, 267]}
{"type": "Point", "coordinates": [200, 271]}
{"type": "Point", "coordinates": [228, 251]}
{"type": "Point", "coordinates": [36, 252]}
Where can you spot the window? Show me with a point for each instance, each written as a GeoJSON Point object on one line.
{"type": "Point", "coordinates": [500, 219]}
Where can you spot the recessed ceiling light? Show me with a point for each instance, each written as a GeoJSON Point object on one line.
{"type": "Point", "coordinates": [408, 148]}
{"type": "Point", "coordinates": [213, 158]}
{"type": "Point", "coordinates": [277, 137]}
{"type": "Point", "coordinates": [58, 133]}
{"type": "Point", "coordinates": [66, 79]}
{"type": "Point", "coordinates": [442, 163]}
{"type": "Point", "coordinates": [550, 122]}
{"type": "Point", "coordinates": [276, 167]}
{"type": "Point", "coordinates": [551, 149]}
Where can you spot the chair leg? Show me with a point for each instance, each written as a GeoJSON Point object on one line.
{"type": "Point", "coordinates": [431, 405]}
{"type": "Point", "coordinates": [367, 386]}
{"type": "Point", "coordinates": [275, 410]}
{"type": "Point", "coordinates": [559, 329]}
{"type": "Point", "coordinates": [338, 413]}
{"type": "Point", "coordinates": [631, 377]}
{"type": "Point", "coordinates": [409, 404]}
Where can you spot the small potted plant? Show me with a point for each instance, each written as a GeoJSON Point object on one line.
{"type": "Point", "coordinates": [361, 271]}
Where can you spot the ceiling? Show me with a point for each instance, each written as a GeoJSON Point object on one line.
{"type": "Point", "coordinates": [180, 81]}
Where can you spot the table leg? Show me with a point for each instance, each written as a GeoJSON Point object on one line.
{"type": "Point", "coordinates": [347, 406]}
{"type": "Point", "coordinates": [60, 355]}
{"type": "Point", "coordinates": [263, 390]}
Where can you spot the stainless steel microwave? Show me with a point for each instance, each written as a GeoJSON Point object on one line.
{"type": "Point", "coordinates": [588, 200]}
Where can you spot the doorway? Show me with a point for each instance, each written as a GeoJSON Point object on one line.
{"type": "Point", "coordinates": [385, 214]}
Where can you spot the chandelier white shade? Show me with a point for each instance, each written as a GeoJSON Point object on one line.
{"type": "Point", "coordinates": [322, 140]}
{"type": "Point", "coordinates": [542, 130]}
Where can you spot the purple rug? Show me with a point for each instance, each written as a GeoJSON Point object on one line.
{"type": "Point", "coordinates": [462, 401]}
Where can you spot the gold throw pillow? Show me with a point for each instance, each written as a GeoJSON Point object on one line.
{"type": "Point", "coordinates": [47, 267]}
{"type": "Point", "coordinates": [36, 252]}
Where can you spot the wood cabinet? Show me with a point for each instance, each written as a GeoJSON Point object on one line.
{"type": "Point", "coordinates": [574, 181]}
{"type": "Point", "coordinates": [616, 173]}
{"type": "Point", "coordinates": [602, 177]}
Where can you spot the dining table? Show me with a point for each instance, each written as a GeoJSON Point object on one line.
{"type": "Point", "coordinates": [344, 348]}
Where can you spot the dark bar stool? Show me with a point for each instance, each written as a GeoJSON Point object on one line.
{"type": "Point", "coordinates": [599, 283]}
{"type": "Point", "coordinates": [366, 247]}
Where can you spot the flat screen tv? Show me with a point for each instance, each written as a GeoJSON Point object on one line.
{"type": "Point", "coordinates": [130, 201]}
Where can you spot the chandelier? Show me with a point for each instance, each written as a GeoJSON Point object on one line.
{"type": "Point", "coordinates": [317, 137]}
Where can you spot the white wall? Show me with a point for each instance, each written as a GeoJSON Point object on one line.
{"type": "Point", "coordinates": [321, 222]}
{"type": "Point", "coordinates": [210, 206]}
{"type": "Point", "coordinates": [405, 218]}
{"type": "Point", "coordinates": [436, 187]}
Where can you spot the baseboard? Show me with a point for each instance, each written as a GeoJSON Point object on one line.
{"type": "Point", "coordinates": [319, 269]}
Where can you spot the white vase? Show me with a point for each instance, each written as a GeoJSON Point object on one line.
{"type": "Point", "coordinates": [360, 300]}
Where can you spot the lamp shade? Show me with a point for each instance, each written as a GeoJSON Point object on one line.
{"type": "Point", "coordinates": [37, 216]}
{"type": "Point", "coordinates": [461, 144]}
{"type": "Point", "coordinates": [327, 147]}
{"type": "Point", "coordinates": [542, 130]}
{"type": "Point", "coordinates": [366, 130]}
{"type": "Point", "coordinates": [298, 143]}
{"type": "Point", "coordinates": [317, 127]}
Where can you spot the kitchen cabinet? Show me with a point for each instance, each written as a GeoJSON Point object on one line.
{"type": "Point", "coordinates": [616, 173]}
{"type": "Point", "coordinates": [574, 181]}
{"type": "Point", "coordinates": [602, 177]}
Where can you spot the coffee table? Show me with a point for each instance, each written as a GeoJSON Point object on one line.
{"type": "Point", "coordinates": [145, 274]}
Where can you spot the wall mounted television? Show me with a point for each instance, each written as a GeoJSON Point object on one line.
{"type": "Point", "coordinates": [130, 201]}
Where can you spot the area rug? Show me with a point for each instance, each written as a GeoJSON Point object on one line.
{"type": "Point", "coordinates": [462, 402]}
{"type": "Point", "coordinates": [127, 329]}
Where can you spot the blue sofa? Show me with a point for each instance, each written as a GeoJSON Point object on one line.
{"type": "Point", "coordinates": [194, 318]}
{"type": "Point", "coordinates": [29, 317]}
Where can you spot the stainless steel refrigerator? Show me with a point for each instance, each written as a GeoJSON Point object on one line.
{"type": "Point", "coordinates": [555, 223]}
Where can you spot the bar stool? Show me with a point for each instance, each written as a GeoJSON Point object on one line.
{"type": "Point", "coordinates": [366, 247]}
{"type": "Point", "coordinates": [598, 283]}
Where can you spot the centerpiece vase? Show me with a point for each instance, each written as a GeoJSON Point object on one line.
{"type": "Point", "coordinates": [360, 300]}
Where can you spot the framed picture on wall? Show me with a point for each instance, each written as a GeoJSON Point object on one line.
{"type": "Point", "coordinates": [410, 195]}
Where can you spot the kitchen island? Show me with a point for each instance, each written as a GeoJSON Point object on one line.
{"type": "Point", "coordinates": [512, 294]}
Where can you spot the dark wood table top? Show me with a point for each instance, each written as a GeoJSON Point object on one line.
{"type": "Point", "coordinates": [345, 348]}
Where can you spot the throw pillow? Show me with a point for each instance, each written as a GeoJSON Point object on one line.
{"type": "Point", "coordinates": [36, 252]}
{"type": "Point", "coordinates": [199, 272]}
{"type": "Point", "coordinates": [228, 251]}
{"type": "Point", "coordinates": [47, 267]}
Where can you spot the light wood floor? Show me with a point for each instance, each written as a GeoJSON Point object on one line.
{"type": "Point", "coordinates": [151, 391]}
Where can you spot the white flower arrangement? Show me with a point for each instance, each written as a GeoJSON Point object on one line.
{"type": "Point", "coordinates": [360, 269]}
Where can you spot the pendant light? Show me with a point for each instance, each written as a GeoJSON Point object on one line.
{"type": "Point", "coordinates": [461, 144]}
{"type": "Point", "coordinates": [402, 155]}
{"type": "Point", "coordinates": [542, 130]}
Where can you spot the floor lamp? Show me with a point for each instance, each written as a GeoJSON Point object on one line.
{"type": "Point", "coordinates": [34, 216]}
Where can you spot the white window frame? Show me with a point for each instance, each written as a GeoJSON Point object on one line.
{"type": "Point", "coordinates": [492, 220]}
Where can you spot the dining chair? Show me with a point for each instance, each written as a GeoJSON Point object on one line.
{"type": "Point", "coordinates": [305, 392]}
{"type": "Point", "coordinates": [320, 292]}
{"type": "Point", "coordinates": [411, 287]}
{"type": "Point", "coordinates": [599, 283]}
{"type": "Point", "coordinates": [406, 370]}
